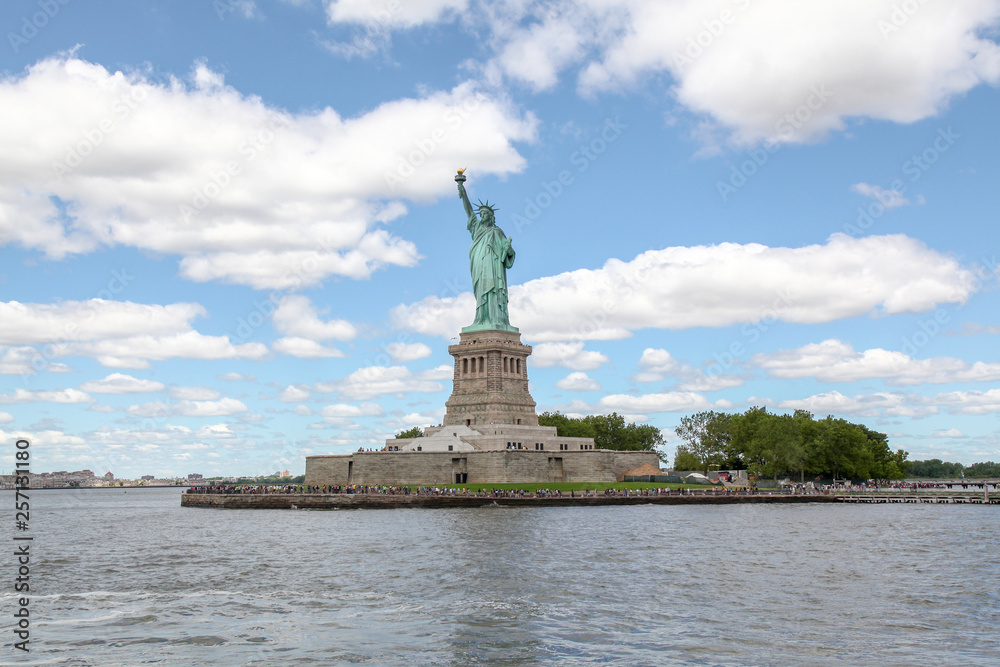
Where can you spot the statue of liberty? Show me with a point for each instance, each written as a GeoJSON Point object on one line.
{"type": "Point", "coordinates": [490, 255]}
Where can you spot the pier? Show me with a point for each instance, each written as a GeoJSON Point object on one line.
{"type": "Point", "coordinates": [918, 498]}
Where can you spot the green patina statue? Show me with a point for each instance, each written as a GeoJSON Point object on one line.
{"type": "Point", "coordinates": [490, 255]}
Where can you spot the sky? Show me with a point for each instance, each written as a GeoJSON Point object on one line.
{"type": "Point", "coordinates": [230, 236]}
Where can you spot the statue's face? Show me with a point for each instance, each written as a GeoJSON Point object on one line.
{"type": "Point", "coordinates": [486, 215]}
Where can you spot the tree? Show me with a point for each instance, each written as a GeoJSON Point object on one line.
{"type": "Point", "coordinates": [709, 437]}
{"type": "Point", "coordinates": [415, 432]}
{"type": "Point", "coordinates": [842, 450]}
{"type": "Point", "coordinates": [935, 469]}
{"type": "Point", "coordinates": [566, 427]}
{"type": "Point", "coordinates": [985, 469]}
{"type": "Point", "coordinates": [886, 465]}
{"type": "Point", "coordinates": [611, 432]}
{"type": "Point", "coordinates": [685, 459]}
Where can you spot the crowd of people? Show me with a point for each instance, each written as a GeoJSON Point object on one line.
{"type": "Point", "coordinates": [350, 489]}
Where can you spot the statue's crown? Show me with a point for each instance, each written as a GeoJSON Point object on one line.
{"type": "Point", "coordinates": [487, 205]}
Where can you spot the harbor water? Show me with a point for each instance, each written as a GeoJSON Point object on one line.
{"type": "Point", "coordinates": [128, 577]}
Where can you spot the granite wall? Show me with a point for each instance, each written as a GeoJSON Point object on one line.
{"type": "Point", "coordinates": [512, 466]}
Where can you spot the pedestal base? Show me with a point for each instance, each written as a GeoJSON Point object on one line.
{"type": "Point", "coordinates": [491, 380]}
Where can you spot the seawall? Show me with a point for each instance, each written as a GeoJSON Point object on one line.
{"type": "Point", "coordinates": [384, 501]}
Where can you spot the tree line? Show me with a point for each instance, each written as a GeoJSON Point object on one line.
{"type": "Point", "coordinates": [938, 469]}
{"type": "Point", "coordinates": [800, 446]}
{"type": "Point", "coordinates": [608, 431]}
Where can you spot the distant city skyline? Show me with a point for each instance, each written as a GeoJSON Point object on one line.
{"type": "Point", "coordinates": [231, 237]}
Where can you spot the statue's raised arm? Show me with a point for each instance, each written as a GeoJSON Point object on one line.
{"type": "Point", "coordinates": [469, 212]}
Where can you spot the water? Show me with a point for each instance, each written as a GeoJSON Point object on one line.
{"type": "Point", "coordinates": [131, 578]}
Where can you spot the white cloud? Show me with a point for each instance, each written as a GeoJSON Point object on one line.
{"type": "Point", "coordinates": [42, 438]}
{"type": "Point", "coordinates": [707, 286]}
{"type": "Point", "coordinates": [193, 393]}
{"type": "Point", "coordinates": [211, 431]}
{"type": "Point", "coordinates": [248, 10]}
{"type": "Point", "coordinates": [52, 396]}
{"type": "Point", "coordinates": [888, 198]}
{"type": "Point", "coordinates": [232, 376]}
{"type": "Point", "coordinates": [752, 68]}
{"type": "Point", "coordinates": [119, 383]}
{"type": "Point", "coordinates": [151, 409]}
{"type": "Point", "coordinates": [343, 410]}
{"type": "Point", "coordinates": [135, 352]}
{"type": "Point", "coordinates": [6, 418]}
{"type": "Point", "coordinates": [947, 433]}
{"type": "Point", "coordinates": [24, 360]}
{"type": "Point", "coordinates": [372, 381]}
{"type": "Point", "coordinates": [404, 14]}
{"type": "Point", "coordinates": [698, 380]}
{"type": "Point", "coordinates": [304, 348]}
{"type": "Point", "coordinates": [871, 405]}
{"type": "Point", "coordinates": [836, 361]}
{"type": "Point", "coordinates": [118, 334]}
{"type": "Point", "coordinates": [969, 402]}
{"type": "Point", "coordinates": [293, 394]}
{"type": "Point", "coordinates": [220, 408]}
{"type": "Point", "coordinates": [568, 355]}
{"type": "Point", "coordinates": [578, 382]}
{"type": "Point", "coordinates": [898, 404]}
{"type": "Point", "coordinates": [295, 316]}
{"type": "Point", "coordinates": [656, 365]}
{"type": "Point", "coordinates": [673, 401]}
{"type": "Point", "coordinates": [401, 353]}
{"type": "Point", "coordinates": [94, 319]}
{"type": "Point", "coordinates": [240, 191]}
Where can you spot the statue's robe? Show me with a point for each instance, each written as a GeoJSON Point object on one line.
{"type": "Point", "coordinates": [490, 255]}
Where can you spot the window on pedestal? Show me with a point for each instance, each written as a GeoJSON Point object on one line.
{"type": "Point", "coordinates": [465, 366]}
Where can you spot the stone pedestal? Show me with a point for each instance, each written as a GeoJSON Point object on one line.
{"type": "Point", "coordinates": [491, 381]}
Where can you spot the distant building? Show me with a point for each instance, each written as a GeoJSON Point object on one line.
{"type": "Point", "coordinates": [148, 478]}
{"type": "Point", "coordinates": [51, 480]}
{"type": "Point", "coordinates": [285, 473]}
{"type": "Point", "coordinates": [109, 477]}
{"type": "Point", "coordinates": [195, 475]}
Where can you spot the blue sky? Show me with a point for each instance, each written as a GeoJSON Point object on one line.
{"type": "Point", "coordinates": [230, 235]}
